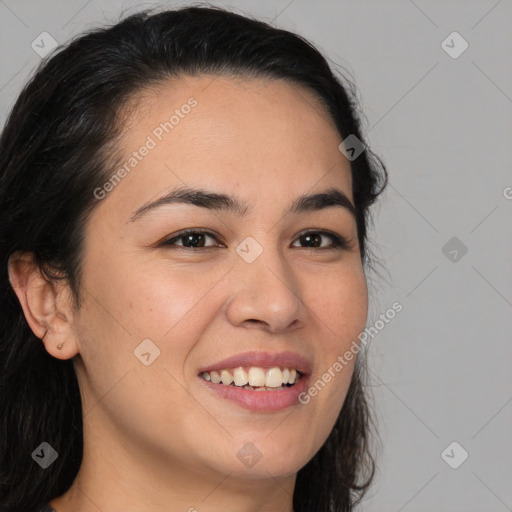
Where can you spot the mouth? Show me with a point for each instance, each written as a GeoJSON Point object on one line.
{"type": "Point", "coordinates": [255, 378]}
{"type": "Point", "coordinates": [259, 381]}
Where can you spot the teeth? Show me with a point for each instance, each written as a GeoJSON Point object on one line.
{"type": "Point", "coordinates": [226, 377]}
{"type": "Point", "coordinates": [255, 378]}
{"type": "Point", "coordinates": [214, 377]}
{"type": "Point", "coordinates": [240, 377]}
{"type": "Point", "coordinates": [274, 378]}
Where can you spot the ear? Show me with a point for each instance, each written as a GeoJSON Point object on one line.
{"type": "Point", "coordinates": [47, 305]}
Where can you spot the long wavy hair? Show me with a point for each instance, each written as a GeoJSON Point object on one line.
{"type": "Point", "coordinates": [59, 144]}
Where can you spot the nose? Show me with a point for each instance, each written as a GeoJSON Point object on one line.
{"type": "Point", "coordinates": [265, 294]}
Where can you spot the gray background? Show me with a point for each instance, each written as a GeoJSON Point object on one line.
{"type": "Point", "coordinates": [440, 369]}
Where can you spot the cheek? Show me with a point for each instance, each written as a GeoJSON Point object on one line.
{"type": "Point", "coordinates": [152, 298]}
{"type": "Point", "coordinates": [340, 307]}
{"type": "Point", "coordinates": [339, 303]}
{"type": "Point", "coordinates": [127, 304]}
{"type": "Point", "coordinates": [169, 304]}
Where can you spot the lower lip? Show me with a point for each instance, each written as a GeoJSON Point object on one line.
{"type": "Point", "coordinates": [261, 401]}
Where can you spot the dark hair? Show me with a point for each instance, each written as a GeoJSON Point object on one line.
{"type": "Point", "coordinates": [58, 146]}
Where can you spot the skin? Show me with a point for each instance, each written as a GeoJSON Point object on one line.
{"type": "Point", "coordinates": [154, 438]}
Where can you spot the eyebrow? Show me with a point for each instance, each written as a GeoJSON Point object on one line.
{"type": "Point", "coordinates": [329, 198]}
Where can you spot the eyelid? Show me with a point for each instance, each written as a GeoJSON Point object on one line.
{"type": "Point", "coordinates": [339, 242]}
{"type": "Point", "coordinates": [184, 232]}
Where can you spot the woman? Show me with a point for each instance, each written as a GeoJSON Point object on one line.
{"type": "Point", "coordinates": [184, 207]}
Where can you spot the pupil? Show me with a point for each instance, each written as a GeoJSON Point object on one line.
{"type": "Point", "coordinates": [191, 237]}
{"type": "Point", "coordinates": [197, 239]}
{"type": "Point", "coordinates": [312, 237]}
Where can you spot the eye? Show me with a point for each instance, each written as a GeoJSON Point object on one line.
{"type": "Point", "coordinates": [190, 239]}
{"type": "Point", "coordinates": [313, 239]}
{"type": "Point", "coordinates": [196, 239]}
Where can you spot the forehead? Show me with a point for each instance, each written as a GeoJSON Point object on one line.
{"type": "Point", "coordinates": [255, 138]}
{"type": "Point", "coordinates": [234, 90]}
{"type": "Point", "coordinates": [229, 109]}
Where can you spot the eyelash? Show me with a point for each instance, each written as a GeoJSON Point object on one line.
{"type": "Point", "coordinates": [338, 242]}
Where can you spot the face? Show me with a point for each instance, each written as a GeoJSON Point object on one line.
{"type": "Point", "coordinates": [249, 288]}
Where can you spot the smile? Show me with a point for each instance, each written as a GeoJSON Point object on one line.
{"type": "Point", "coordinates": [254, 378]}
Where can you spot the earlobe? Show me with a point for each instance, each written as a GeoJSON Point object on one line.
{"type": "Point", "coordinates": [45, 314]}
{"type": "Point", "coordinates": [63, 349]}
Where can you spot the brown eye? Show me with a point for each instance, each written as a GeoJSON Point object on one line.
{"type": "Point", "coordinates": [314, 239]}
{"type": "Point", "coordinates": [190, 240]}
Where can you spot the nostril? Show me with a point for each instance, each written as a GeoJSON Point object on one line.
{"type": "Point", "coordinates": [254, 321]}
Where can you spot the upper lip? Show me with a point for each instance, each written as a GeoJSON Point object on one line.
{"type": "Point", "coordinates": [262, 359]}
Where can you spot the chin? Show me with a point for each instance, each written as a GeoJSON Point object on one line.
{"type": "Point", "coordinates": [261, 471]}
{"type": "Point", "coordinates": [265, 461]}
